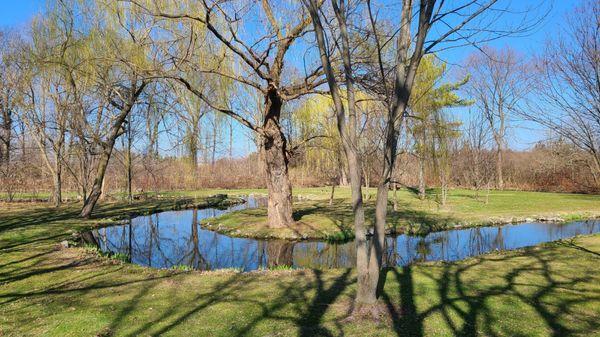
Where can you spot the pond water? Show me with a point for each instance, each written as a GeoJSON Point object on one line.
{"type": "Point", "coordinates": [175, 238]}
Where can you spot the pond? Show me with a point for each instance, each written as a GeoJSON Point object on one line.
{"type": "Point", "coordinates": [176, 239]}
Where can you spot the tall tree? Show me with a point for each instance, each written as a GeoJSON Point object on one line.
{"type": "Point", "coordinates": [49, 100]}
{"type": "Point", "coordinates": [122, 64]}
{"type": "Point", "coordinates": [262, 52]}
{"type": "Point", "coordinates": [456, 22]}
{"type": "Point", "coordinates": [347, 125]}
{"type": "Point", "coordinates": [567, 91]}
{"type": "Point", "coordinates": [499, 82]}
{"type": "Point", "coordinates": [429, 97]}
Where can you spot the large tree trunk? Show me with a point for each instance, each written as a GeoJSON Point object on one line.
{"type": "Point", "coordinates": [348, 134]}
{"type": "Point", "coordinates": [363, 293]}
{"type": "Point", "coordinates": [279, 209]}
{"type": "Point", "coordinates": [377, 247]}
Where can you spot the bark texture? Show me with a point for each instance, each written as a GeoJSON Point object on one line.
{"type": "Point", "coordinates": [274, 148]}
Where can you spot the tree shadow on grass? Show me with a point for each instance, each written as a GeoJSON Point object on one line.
{"type": "Point", "coordinates": [406, 219]}
{"type": "Point", "coordinates": [572, 244]}
{"type": "Point", "coordinates": [429, 192]}
{"type": "Point", "coordinates": [461, 297]}
{"type": "Point", "coordinates": [466, 307]}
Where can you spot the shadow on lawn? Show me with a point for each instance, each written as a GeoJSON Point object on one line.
{"type": "Point", "coordinates": [462, 298]}
{"type": "Point", "coordinates": [404, 219]}
{"type": "Point", "coordinates": [458, 299]}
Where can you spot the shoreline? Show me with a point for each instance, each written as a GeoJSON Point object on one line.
{"type": "Point", "coordinates": [413, 229]}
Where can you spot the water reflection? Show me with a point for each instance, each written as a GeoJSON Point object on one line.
{"type": "Point", "coordinates": [176, 238]}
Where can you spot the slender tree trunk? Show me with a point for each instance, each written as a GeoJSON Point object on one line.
{"type": "Point", "coordinates": [83, 171]}
{"type": "Point", "coordinates": [230, 139]}
{"type": "Point", "coordinates": [421, 177]}
{"type": "Point", "coordinates": [365, 177]}
{"type": "Point", "coordinates": [213, 145]}
{"type": "Point", "coordinates": [57, 194]}
{"type": "Point", "coordinates": [443, 186]}
{"type": "Point", "coordinates": [23, 147]}
{"type": "Point", "coordinates": [5, 137]}
{"type": "Point", "coordinates": [274, 147]}
{"type": "Point", "coordinates": [595, 168]}
{"type": "Point", "coordinates": [395, 197]}
{"type": "Point", "coordinates": [421, 154]}
{"type": "Point", "coordinates": [500, 179]}
{"type": "Point", "coordinates": [128, 163]}
{"type": "Point", "coordinates": [332, 194]}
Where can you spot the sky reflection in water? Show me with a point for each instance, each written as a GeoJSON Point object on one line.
{"type": "Point", "coordinates": [175, 238]}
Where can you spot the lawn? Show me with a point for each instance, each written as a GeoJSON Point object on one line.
{"type": "Point", "coordinates": [317, 219]}
{"type": "Point", "coordinates": [549, 290]}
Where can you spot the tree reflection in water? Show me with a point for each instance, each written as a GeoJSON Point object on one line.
{"type": "Point", "coordinates": [176, 238]}
{"type": "Point", "coordinates": [280, 253]}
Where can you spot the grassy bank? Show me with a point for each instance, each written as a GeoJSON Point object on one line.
{"type": "Point", "coordinates": [317, 219]}
{"type": "Point", "coordinates": [551, 290]}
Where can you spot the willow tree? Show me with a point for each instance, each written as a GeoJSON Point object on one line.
{"type": "Point", "coordinates": [118, 63]}
{"type": "Point", "coordinates": [47, 102]}
{"type": "Point", "coordinates": [49, 98]}
{"type": "Point", "coordinates": [315, 120]}
{"type": "Point", "coordinates": [429, 127]}
{"type": "Point", "coordinates": [267, 58]}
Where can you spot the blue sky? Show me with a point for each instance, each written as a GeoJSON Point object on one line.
{"type": "Point", "coordinates": [16, 14]}
{"type": "Point", "coordinates": [523, 134]}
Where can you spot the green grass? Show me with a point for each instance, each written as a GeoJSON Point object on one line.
{"type": "Point", "coordinates": [550, 290]}
{"type": "Point", "coordinates": [316, 219]}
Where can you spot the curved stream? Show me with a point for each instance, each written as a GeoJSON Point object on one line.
{"type": "Point", "coordinates": [175, 238]}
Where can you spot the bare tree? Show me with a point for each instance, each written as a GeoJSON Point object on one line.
{"type": "Point", "coordinates": [347, 125]}
{"type": "Point", "coordinates": [499, 82]}
{"type": "Point", "coordinates": [476, 168]}
{"type": "Point", "coordinates": [469, 20]}
{"type": "Point", "coordinates": [567, 94]}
